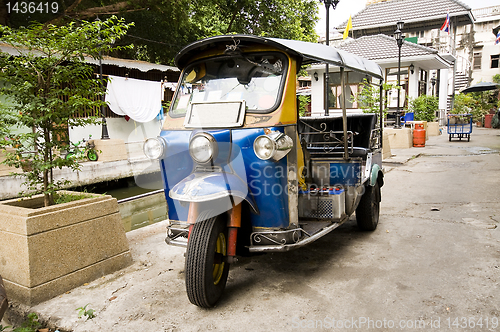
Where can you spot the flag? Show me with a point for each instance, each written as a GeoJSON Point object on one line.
{"type": "Point", "coordinates": [348, 26]}
{"type": "Point", "coordinates": [498, 38]}
{"type": "Point", "coordinates": [446, 25]}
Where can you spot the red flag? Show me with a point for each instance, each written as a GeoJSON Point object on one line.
{"type": "Point", "coordinates": [446, 25]}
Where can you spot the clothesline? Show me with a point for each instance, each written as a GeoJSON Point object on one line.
{"type": "Point", "coordinates": [126, 77]}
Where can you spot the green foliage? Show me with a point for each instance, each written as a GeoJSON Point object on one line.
{"type": "Point", "coordinates": [31, 324]}
{"type": "Point", "coordinates": [292, 19]}
{"type": "Point", "coordinates": [496, 78]}
{"type": "Point", "coordinates": [83, 311]}
{"type": "Point", "coordinates": [463, 104]}
{"type": "Point", "coordinates": [477, 103]}
{"type": "Point", "coordinates": [303, 102]}
{"type": "Point", "coordinates": [369, 97]}
{"type": "Point", "coordinates": [164, 27]}
{"type": "Point", "coordinates": [46, 85]}
{"type": "Point", "coordinates": [3, 328]}
{"type": "Point", "coordinates": [424, 108]}
{"type": "Point", "coordinates": [60, 198]}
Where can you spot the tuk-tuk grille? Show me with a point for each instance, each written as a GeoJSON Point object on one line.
{"type": "Point", "coordinates": [322, 206]}
{"type": "Point", "coordinates": [324, 209]}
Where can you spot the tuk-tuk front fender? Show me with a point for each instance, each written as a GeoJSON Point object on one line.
{"type": "Point", "coordinates": [205, 187]}
{"type": "Point", "coordinates": [376, 176]}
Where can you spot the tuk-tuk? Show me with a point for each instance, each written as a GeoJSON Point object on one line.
{"type": "Point", "coordinates": [243, 173]}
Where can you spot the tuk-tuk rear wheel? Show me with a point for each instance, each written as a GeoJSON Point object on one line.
{"type": "Point", "coordinates": [206, 268]}
{"type": "Point", "coordinates": [367, 212]}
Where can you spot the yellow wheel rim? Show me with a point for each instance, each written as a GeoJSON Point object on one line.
{"type": "Point", "coordinates": [220, 248]}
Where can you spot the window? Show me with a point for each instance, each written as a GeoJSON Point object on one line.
{"type": "Point", "coordinates": [477, 60]}
{"type": "Point", "coordinates": [304, 83]}
{"type": "Point", "coordinates": [353, 86]}
{"type": "Point", "coordinates": [392, 95]}
{"type": "Point", "coordinates": [422, 82]}
{"type": "Point", "coordinates": [494, 60]}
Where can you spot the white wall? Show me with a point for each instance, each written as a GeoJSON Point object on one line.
{"type": "Point", "coordinates": [486, 73]}
{"type": "Point", "coordinates": [443, 88]}
{"type": "Point", "coordinates": [118, 128]}
{"type": "Point", "coordinates": [317, 93]}
{"type": "Point", "coordinates": [486, 19]}
{"type": "Point", "coordinates": [413, 84]}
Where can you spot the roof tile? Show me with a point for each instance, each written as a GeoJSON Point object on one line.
{"type": "Point", "coordinates": [383, 47]}
{"type": "Point", "coordinates": [389, 12]}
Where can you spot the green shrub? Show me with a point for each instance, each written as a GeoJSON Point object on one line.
{"type": "Point", "coordinates": [478, 104]}
{"type": "Point", "coordinates": [369, 97]}
{"type": "Point", "coordinates": [424, 108]}
{"type": "Point", "coordinates": [303, 102]}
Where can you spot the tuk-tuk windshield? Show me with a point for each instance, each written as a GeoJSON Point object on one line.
{"type": "Point", "coordinates": [256, 78]}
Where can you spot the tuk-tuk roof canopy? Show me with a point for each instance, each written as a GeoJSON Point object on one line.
{"type": "Point", "coordinates": [307, 52]}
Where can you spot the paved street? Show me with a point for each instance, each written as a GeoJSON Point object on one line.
{"type": "Point", "coordinates": [433, 262]}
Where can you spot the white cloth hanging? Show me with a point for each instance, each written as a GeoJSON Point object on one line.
{"type": "Point", "coordinates": [138, 99]}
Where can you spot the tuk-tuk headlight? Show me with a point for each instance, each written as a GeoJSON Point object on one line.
{"type": "Point", "coordinates": [274, 145]}
{"type": "Point", "coordinates": [264, 147]}
{"type": "Point", "coordinates": [154, 148]}
{"type": "Point", "coordinates": [203, 148]}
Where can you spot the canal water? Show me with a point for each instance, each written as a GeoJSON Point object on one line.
{"type": "Point", "coordinates": [141, 199]}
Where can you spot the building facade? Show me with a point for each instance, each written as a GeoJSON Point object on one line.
{"type": "Point", "coordinates": [468, 45]}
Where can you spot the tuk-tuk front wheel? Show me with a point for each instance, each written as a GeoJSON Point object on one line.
{"type": "Point", "coordinates": [206, 268]}
{"type": "Point", "coordinates": [367, 212]}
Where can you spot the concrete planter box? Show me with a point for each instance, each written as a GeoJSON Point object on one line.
{"type": "Point", "coordinates": [46, 251]}
{"type": "Point", "coordinates": [433, 128]}
{"type": "Point", "coordinates": [399, 138]}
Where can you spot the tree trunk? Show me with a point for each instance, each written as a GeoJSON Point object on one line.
{"type": "Point", "coordinates": [48, 198]}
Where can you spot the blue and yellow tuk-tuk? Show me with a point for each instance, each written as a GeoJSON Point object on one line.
{"type": "Point", "coordinates": [243, 173]}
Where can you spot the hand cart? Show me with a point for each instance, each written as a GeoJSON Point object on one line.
{"type": "Point", "coordinates": [459, 126]}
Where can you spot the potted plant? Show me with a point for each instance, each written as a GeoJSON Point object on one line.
{"type": "Point", "coordinates": [46, 82]}
{"type": "Point", "coordinates": [424, 108]}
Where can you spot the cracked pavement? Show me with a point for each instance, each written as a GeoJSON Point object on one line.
{"type": "Point", "coordinates": [433, 260]}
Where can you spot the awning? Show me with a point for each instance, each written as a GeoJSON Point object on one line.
{"type": "Point", "coordinates": [481, 86]}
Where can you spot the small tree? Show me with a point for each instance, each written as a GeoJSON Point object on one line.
{"type": "Point", "coordinates": [303, 102]}
{"type": "Point", "coordinates": [496, 78]}
{"type": "Point", "coordinates": [47, 83]}
{"type": "Point", "coordinates": [464, 104]}
{"type": "Point", "coordinates": [424, 108]}
{"type": "Point", "coordinates": [369, 97]}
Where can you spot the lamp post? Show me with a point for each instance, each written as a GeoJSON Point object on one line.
{"type": "Point", "coordinates": [398, 35]}
{"type": "Point", "coordinates": [104, 125]}
{"type": "Point", "coordinates": [328, 3]}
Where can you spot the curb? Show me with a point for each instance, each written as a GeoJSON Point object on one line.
{"type": "Point", "coordinates": [18, 313]}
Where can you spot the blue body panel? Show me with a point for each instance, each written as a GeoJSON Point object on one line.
{"type": "Point", "coordinates": [345, 174]}
{"type": "Point", "coordinates": [266, 180]}
{"type": "Point", "coordinates": [176, 165]}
